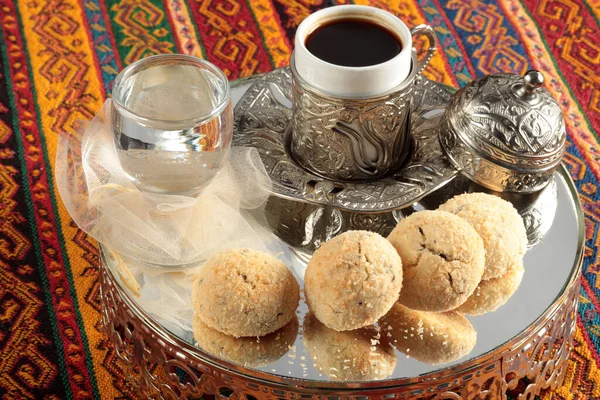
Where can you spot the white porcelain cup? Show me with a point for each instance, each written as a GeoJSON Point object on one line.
{"type": "Point", "coordinates": [354, 82]}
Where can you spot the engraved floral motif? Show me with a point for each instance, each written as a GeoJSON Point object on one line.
{"type": "Point", "coordinates": [490, 112]}
{"type": "Point", "coordinates": [488, 173]}
{"type": "Point", "coordinates": [348, 139]}
{"type": "Point", "coordinates": [506, 132]}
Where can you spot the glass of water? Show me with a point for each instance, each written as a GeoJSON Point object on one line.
{"type": "Point", "coordinates": [172, 122]}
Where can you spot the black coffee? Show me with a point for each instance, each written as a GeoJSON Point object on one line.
{"type": "Point", "coordinates": [353, 43]}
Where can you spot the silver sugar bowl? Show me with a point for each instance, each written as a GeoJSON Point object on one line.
{"type": "Point", "coordinates": [505, 132]}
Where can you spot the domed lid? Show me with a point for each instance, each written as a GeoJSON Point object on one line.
{"type": "Point", "coordinates": [510, 120]}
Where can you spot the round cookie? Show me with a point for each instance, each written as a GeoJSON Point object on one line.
{"type": "Point", "coordinates": [432, 338]}
{"type": "Point", "coordinates": [248, 351]}
{"type": "Point", "coordinates": [245, 293]}
{"type": "Point", "coordinates": [493, 293]}
{"type": "Point", "coordinates": [358, 355]}
{"type": "Point", "coordinates": [499, 225]}
{"type": "Point", "coordinates": [443, 260]}
{"type": "Point", "coordinates": [352, 280]}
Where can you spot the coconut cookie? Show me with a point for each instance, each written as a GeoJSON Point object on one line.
{"type": "Point", "coordinates": [358, 355]}
{"type": "Point", "coordinates": [493, 293]}
{"type": "Point", "coordinates": [443, 260]}
{"type": "Point", "coordinates": [245, 293]}
{"type": "Point", "coordinates": [247, 351]}
{"type": "Point", "coordinates": [432, 338]}
{"type": "Point", "coordinates": [352, 280]}
{"type": "Point", "coordinates": [499, 225]}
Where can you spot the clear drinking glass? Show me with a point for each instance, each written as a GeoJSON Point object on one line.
{"type": "Point", "coordinates": [172, 123]}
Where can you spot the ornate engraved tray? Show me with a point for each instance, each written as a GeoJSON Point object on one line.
{"type": "Point", "coordinates": [526, 341]}
{"type": "Point", "coordinates": [262, 120]}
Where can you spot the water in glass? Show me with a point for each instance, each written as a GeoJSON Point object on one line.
{"type": "Point", "coordinates": [172, 123]}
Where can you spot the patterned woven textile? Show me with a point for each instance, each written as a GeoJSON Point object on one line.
{"type": "Point", "coordinates": [58, 60]}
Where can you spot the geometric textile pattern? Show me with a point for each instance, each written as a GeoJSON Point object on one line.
{"type": "Point", "coordinates": [58, 60]}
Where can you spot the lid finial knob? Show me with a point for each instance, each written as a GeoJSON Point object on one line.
{"type": "Point", "coordinates": [533, 79]}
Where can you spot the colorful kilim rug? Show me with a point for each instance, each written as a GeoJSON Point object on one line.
{"type": "Point", "coordinates": [58, 60]}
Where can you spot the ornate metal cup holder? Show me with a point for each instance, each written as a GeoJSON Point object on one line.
{"type": "Point", "coordinates": [262, 121]}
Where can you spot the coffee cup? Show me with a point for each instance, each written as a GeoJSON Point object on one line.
{"type": "Point", "coordinates": [351, 103]}
{"type": "Point", "coordinates": [348, 81]}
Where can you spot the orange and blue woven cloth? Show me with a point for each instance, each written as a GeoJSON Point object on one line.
{"type": "Point", "coordinates": [58, 60]}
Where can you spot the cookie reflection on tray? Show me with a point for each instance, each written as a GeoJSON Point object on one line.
{"type": "Point", "coordinates": [358, 355]}
{"type": "Point", "coordinates": [247, 351]}
{"type": "Point", "coordinates": [432, 338]}
{"type": "Point", "coordinates": [493, 293]}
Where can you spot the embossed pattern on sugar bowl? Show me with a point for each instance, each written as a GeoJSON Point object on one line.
{"type": "Point", "coordinates": [505, 132]}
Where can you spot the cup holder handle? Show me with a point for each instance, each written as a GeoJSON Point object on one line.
{"type": "Point", "coordinates": [425, 30]}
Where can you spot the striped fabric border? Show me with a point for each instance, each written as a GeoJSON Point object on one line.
{"type": "Point", "coordinates": [58, 60]}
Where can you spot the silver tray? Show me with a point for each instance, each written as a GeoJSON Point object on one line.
{"type": "Point", "coordinates": [529, 337]}
{"type": "Point", "coordinates": [262, 120]}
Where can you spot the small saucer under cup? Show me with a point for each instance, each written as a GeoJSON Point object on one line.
{"type": "Point", "coordinates": [263, 118]}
